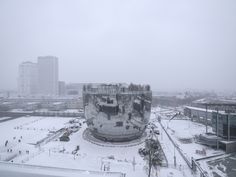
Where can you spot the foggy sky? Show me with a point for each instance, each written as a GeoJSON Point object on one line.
{"type": "Point", "coordinates": [168, 44]}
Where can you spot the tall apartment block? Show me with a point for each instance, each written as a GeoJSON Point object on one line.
{"type": "Point", "coordinates": [28, 79]}
{"type": "Point", "coordinates": [39, 78]}
{"type": "Point", "coordinates": [48, 75]}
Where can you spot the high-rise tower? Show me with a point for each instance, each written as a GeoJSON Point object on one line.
{"type": "Point", "coordinates": [48, 75]}
{"type": "Point", "coordinates": [28, 79]}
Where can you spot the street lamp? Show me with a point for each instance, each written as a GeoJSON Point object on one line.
{"type": "Point", "coordinates": [217, 127]}
{"type": "Point", "coordinates": [174, 157]}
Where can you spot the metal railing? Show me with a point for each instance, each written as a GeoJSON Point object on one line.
{"type": "Point", "coordinates": [192, 164]}
{"type": "Point", "coordinates": [39, 167]}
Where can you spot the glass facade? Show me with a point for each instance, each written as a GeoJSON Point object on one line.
{"type": "Point", "coordinates": [115, 112]}
{"type": "Point", "coordinates": [226, 124]}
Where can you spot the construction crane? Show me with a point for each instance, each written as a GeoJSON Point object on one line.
{"type": "Point", "coordinates": [176, 114]}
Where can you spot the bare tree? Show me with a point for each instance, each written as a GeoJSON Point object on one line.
{"type": "Point", "coordinates": [151, 154]}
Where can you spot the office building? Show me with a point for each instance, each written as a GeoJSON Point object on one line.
{"type": "Point", "coordinates": [224, 124]}
{"type": "Point", "coordinates": [198, 114]}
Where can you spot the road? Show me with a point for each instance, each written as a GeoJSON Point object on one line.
{"type": "Point", "coordinates": [171, 153]}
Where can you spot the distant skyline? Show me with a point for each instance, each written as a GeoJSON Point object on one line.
{"type": "Point", "coordinates": [171, 45]}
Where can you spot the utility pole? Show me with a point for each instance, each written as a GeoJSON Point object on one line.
{"type": "Point", "coordinates": [161, 135]}
{"type": "Point", "coordinates": [206, 118]}
{"type": "Point", "coordinates": [174, 157]}
{"type": "Point", "coordinates": [228, 126]}
{"type": "Point", "coordinates": [217, 127]}
{"type": "Point", "coordinates": [134, 163]}
{"type": "Point", "coordinates": [101, 164]}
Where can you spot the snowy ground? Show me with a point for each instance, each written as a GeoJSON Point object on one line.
{"type": "Point", "coordinates": [185, 129]}
{"type": "Point", "coordinates": [90, 157]}
{"type": "Point", "coordinates": [222, 165]}
{"type": "Point", "coordinates": [181, 130]}
{"type": "Point", "coordinates": [171, 152]}
{"type": "Point", "coordinates": [23, 133]}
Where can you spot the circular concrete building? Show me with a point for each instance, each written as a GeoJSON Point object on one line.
{"type": "Point", "coordinates": [117, 112]}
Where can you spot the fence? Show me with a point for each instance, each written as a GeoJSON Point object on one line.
{"type": "Point", "coordinates": [26, 167]}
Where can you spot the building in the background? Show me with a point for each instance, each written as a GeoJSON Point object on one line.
{"type": "Point", "coordinates": [28, 79]}
{"type": "Point", "coordinates": [76, 89]}
{"type": "Point", "coordinates": [197, 114]}
{"type": "Point", "coordinates": [62, 88]}
{"type": "Point", "coordinates": [201, 110]}
{"type": "Point", "coordinates": [48, 75]}
{"type": "Point", "coordinates": [117, 112]}
{"type": "Point", "coordinates": [21, 103]}
{"type": "Point", "coordinates": [222, 115]}
{"type": "Point", "coordinates": [221, 104]}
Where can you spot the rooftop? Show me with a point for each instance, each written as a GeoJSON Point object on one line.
{"type": "Point", "coordinates": [115, 88]}
{"type": "Point", "coordinates": [198, 109]}
{"type": "Point", "coordinates": [216, 102]}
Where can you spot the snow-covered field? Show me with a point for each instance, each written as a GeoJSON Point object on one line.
{"type": "Point", "coordinates": [29, 129]}
{"type": "Point", "coordinates": [18, 136]}
{"type": "Point", "coordinates": [90, 156]}
{"type": "Point", "coordinates": [23, 133]}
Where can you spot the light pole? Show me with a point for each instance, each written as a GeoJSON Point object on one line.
{"type": "Point", "coordinates": [174, 157]}
{"type": "Point", "coordinates": [228, 126]}
{"type": "Point", "coordinates": [217, 128]}
{"type": "Point", "coordinates": [102, 163]}
{"type": "Point", "coordinates": [134, 163]}
{"type": "Point", "coordinates": [206, 118]}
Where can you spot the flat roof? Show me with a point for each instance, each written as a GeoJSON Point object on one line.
{"type": "Point", "coordinates": [199, 109]}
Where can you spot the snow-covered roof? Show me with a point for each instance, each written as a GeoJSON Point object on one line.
{"type": "Point", "coordinates": [199, 109]}
{"type": "Point", "coordinates": [115, 88]}
{"type": "Point", "coordinates": [58, 103]}
{"type": "Point", "coordinates": [32, 103]}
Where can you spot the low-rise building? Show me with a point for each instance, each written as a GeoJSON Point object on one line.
{"type": "Point", "coordinates": [197, 114]}
{"type": "Point", "coordinates": [224, 124]}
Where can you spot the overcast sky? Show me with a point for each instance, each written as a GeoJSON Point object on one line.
{"type": "Point", "coordinates": [169, 44]}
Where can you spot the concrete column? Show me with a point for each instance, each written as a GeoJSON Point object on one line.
{"type": "Point", "coordinates": [206, 119]}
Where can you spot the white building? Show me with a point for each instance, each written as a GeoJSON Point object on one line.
{"type": "Point", "coordinates": [27, 79]}
{"type": "Point", "coordinates": [48, 75]}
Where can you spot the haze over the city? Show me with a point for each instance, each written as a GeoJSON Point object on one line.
{"type": "Point", "coordinates": [169, 45]}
